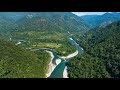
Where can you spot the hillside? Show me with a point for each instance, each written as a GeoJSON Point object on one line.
{"type": "Point", "coordinates": [40, 21]}
{"type": "Point", "coordinates": [13, 16]}
{"type": "Point", "coordinates": [101, 20]}
{"type": "Point", "coordinates": [16, 62]}
{"type": "Point", "coordinates": [6, 25]}
{"type": "Point", "coordinates": [65, 21]}
{"type": "Point", "coordinates": [102, 53]}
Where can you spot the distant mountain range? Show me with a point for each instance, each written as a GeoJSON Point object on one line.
{"type": "Point", "coordinates": [49, 21]}
{"type": "Point", "coordinates": [101, 20]}
{"type": "Point", "coordinates": [64, 21]}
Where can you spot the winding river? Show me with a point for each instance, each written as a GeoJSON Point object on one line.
{"type": "Point", "coordinates": [58, 71]}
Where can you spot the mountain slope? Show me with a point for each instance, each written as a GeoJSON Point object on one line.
{"type": "Point", "coordinates": [16, 62]}
{"type": "Point", "coordinates": [37, 23]}
{"type": "Point", "coordinates": [102, 53]}
{"type": "Point", "coordinates": [13, 16]}
{"type": "Point", "coordinates": [65, 21]}
{"type": "Point", "coordinates": [6, 25]}
{"type": "Point", "coordinates": [101, 20]}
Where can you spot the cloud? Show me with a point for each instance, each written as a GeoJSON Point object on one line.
{"type": "Point", "coordinates": [88, 13]}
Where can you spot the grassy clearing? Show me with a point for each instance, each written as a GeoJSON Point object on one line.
{"type": "Point", "coordinates": [49, 45]}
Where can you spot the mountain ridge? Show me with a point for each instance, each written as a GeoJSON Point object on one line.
{"type": "Point", "coordinates": [101, 20]}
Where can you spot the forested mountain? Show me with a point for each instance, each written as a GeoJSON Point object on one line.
{"type": "Point", "coordinates": [41, 21]}
{"type": "Point", "coordinates": [101, 20]}
{"type": "Point", "coordinates": [6, 25]}
{"type": "Point", "coordinates": [37, 23]}
{"type": "Point", "coordinates": [13, 16]}
{"type": "Point", "coordinates": [64, 21]}
{"type": "Point", "coordinates": [17, 62]}
{"type": "Point", "coordinates": [102, 53]}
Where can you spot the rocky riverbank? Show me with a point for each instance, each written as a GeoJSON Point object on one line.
{"type": "Point", "coordinates": [51, 66]}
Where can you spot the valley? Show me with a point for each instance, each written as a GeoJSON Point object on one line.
{"type": "Point", "coordinates": [42, 39]}
{"type": "Point", "coordinates": [59, 45]}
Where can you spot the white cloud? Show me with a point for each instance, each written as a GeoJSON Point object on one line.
{"type": "Point", "coordinates": [88, 13]}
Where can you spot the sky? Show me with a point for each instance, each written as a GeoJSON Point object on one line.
{"type": "Point", "coordinates": [88, 13]}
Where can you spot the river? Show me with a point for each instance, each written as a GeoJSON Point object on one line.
{"type": "Point", "coordinates": [58, 71]}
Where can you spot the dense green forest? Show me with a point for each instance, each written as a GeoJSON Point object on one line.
{"type": "Point", "coordinates": [102, 53]}
{"type": "Point", "coordinates": [6, 25]}
{"type": "Point", "coordinates": [101, 20]}
{"type": "Point", "coordinates": [16, 62]}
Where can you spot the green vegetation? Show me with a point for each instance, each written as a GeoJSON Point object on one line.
{"type": "Point", "coordinates": [86, 66]}
{"type": "Point", "coordinates": [102, 57]}
{"type": "Point", "coordinates": [37, 39]}
{"type": "Point", "coordinates": [16, 62]}
{"type": "Point", "coordinates": [101, 20]}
